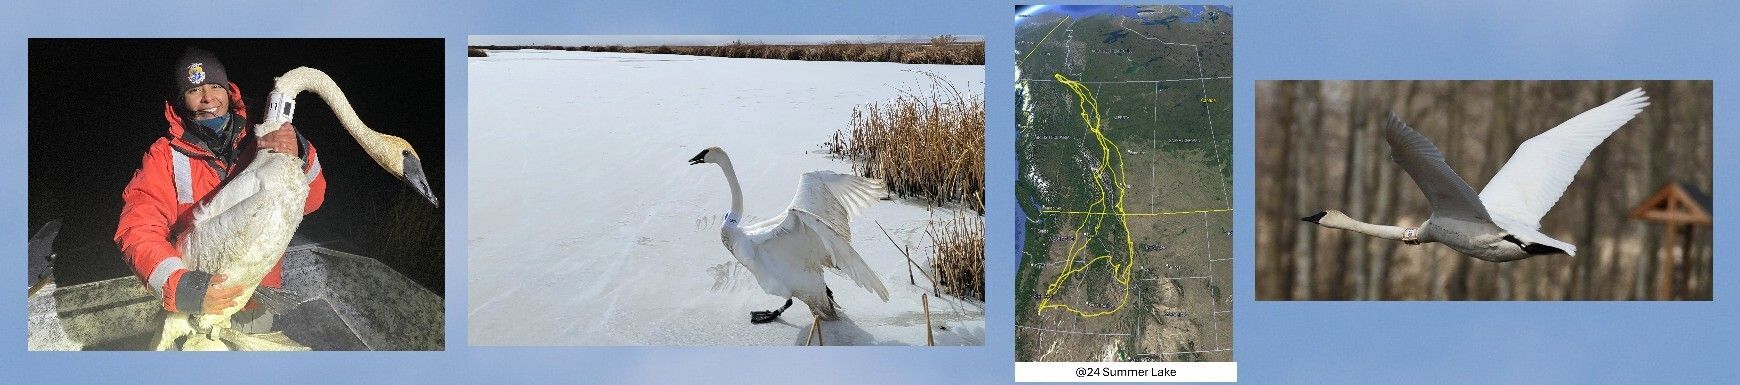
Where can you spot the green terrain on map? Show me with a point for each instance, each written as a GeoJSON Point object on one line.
{"type": "Point", "coordinates": [1124, 149]}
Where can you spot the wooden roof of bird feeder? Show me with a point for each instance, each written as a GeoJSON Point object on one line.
{"type": "Point", "coordinates": [1675, 203]}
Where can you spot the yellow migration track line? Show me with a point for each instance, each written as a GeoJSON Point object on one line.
{"type": "Point", "coordinates": [1041, 41]}
{"type": "Point", "coordinates": [1111, 161]}
{"type": "Point", "coordinates": [1136, 214]}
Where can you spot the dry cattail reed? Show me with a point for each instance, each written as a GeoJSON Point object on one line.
{"type": "Point", "coordinates": [930, 147]}
{"type": "Point", "coordinates": [959, 258]}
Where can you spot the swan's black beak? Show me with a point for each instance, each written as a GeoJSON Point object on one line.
{"type": "Point", "coordinates": [699, 158]}
{"type": "Point", "coordinates": [418, 180]}
{"type": "Point", "coordinates": [1315, 217]}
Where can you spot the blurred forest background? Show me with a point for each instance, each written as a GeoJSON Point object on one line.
{"type": "Point", "coordinates": [1319, 148]}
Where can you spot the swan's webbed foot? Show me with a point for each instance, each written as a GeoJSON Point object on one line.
{"type": "Point", "coordinates": [765, 316]}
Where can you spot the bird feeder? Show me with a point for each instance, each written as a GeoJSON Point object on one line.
{"type": "Point", "coordinates": [1682, 208]}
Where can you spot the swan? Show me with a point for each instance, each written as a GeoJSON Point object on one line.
{"type": "Point", "coordinates": [1502, 223]}
{"type": "Point", "coordinates": [243, 229]}
{"type": "Point", "coordinates": [786, 253]}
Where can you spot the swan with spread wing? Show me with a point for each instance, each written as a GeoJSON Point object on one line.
{"type": "Point", "coordinates": [1501, 223]}
{"type": "Point", "coordinates": [787, 253]}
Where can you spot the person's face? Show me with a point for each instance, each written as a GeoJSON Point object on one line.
{"type": "Point", "coordinates": [206, 101]}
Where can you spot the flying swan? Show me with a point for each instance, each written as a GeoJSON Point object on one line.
{"type": "Point", "coordinates": [1503, 222]}
{"type": "Point", "coordinates": [787, 253]}
{"type": "Point", "coordinates": [243, 229]}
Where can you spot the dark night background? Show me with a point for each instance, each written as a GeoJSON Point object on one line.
{"type": "Point", "coordinates": [96, 104]}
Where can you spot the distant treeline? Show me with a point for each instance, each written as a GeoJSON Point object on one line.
{"type": "Point", "coordinates": [941, 50]}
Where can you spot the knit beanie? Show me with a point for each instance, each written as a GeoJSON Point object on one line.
{"type": "Point", "coordinates": [198, 67]}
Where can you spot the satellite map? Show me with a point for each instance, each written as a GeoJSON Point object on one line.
{"type": "Point", "coordinates": [1124, 145]}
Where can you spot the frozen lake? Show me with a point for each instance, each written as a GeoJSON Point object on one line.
{"type": "Point", "coordinates": [588, 226]}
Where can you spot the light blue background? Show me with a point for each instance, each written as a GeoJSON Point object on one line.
{"type": "Point", "coordinates": [1309, 342]}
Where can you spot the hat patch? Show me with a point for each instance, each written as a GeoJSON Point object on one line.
{"type": "Point", "coordinates": [195, 73]}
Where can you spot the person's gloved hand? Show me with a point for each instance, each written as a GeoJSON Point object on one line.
{"type": "Point", "coordinates": [283, 140]}
{"type": "Point", "coordinates": [219, 297]}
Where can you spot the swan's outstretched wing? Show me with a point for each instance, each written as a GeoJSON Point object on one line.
{"type": "Point", "coordinates": [1448, 194]}
{"type": "Point", "coordinates": [840, 254]}
{"type": "Point", "coordinates": [1542, 167]}
{"type": "Point", "coordinates": [835, 198]}
{"type": "Point", "coordinates": [1532, 235]}
{"type": "Point", "coordinates": [817, 227]}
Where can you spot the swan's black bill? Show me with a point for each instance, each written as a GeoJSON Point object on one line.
{"type": "Point", "coordinates": [1315, 217]}
{"type": "Point", "coordinates": [419, 181]}
{"type": "Point", "coordinates": [702, 157]}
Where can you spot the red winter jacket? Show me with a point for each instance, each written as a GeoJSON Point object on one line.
{"type": "Point", "coordinates": [156, 210]}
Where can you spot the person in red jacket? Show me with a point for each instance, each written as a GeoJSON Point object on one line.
{"type": "Point", "coordinates": [207, 142]}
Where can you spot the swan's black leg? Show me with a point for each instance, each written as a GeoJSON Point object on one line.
{"type": "Point", "coordinates": [765, 316]}
{"type": "Point", "coordinates": [831, 302]}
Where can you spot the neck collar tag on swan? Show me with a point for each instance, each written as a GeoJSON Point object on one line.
{"type": "Point", "coordinates": [279, 107]}
{"type": "Point", "coordinates": [1411, 235]}
{"type": "Point", "coordinates": [731, 219]}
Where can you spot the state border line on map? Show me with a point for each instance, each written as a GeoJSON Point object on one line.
{"type": "Point", "coordinates": [1137, 214]}
{"type": "Point", "coordinates": [1139, 33]}
{"type": "Point", "coordinates": [1075, 332]}
{"type": "Point", "coordinates": [1202, 79]}
{"type": "Point", "coordinates": [1119, 335]}
{"type": "Point", "coordinates": [1137, 81]}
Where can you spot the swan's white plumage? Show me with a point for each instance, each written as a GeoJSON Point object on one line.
{"type": "Point", "coordinates": [242, 229]}
{"type": "Point", "coordinates": [386, 150]}
{"type": "Point", "coordinates": [1540, 170]}
{"type": "Point", "coordinates": [787, 253]}
{"type": "Point", "coordinates": [1513, 202]}
{"type": "Point", "coordinates": [1445, 191]}
{"type": "Point", "coordinates": [817, 231]}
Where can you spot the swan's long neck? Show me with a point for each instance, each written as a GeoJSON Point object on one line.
{"type": "Point", "coordinates": [1337, 220]}
{"type": "Point", "coordinates": [382, 147]}
{"type": "Point", "coordinates": [736, 190]}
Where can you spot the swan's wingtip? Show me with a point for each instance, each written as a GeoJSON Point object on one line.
{"type": "Point", "coordinates": [1637, 95]}
{"type": "Point", "coordinates": [1395, 124]}
{"type": "Point", "coordinates": [1540, 249]}
{"type": "Point", "coordinates": [1314, 218]}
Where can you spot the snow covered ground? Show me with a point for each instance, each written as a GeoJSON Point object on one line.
{"type": "Point", "coordinates": [588, 226]}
